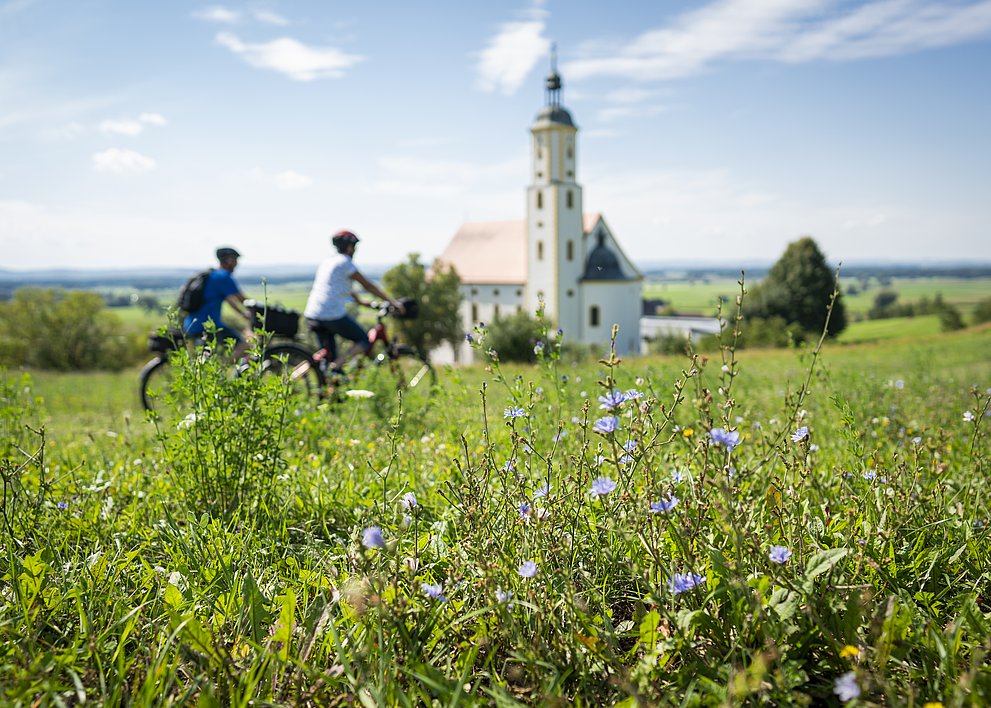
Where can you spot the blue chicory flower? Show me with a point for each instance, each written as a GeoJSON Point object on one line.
{"type": "Point", "coordinates": [612, 400]}
{"type": "Point", "coordinates": [514, 412]}
{"type": "Point", "coordinates": [664, 505]}
{"type": "Point", "coordinates": [779, 554]}
{"type": "Point", "coordinates": [800, 434]}
{"type": "Point", "coordinates": [434, 592]}
{"type": "Point", "coordinates": [371, 537]}
{"type": "Point", "coordinates": [846, 687]}
{"type": "Point", "coordinates": [683, 582]}
{"type": "Point", "coordinates": [606, 425]}
{"type": "Point", "coordinates": [729, 439]}
{"type": "Point", "coordinates": [602, 486]}
{"type": "Point", "coordinates": [527, 569]}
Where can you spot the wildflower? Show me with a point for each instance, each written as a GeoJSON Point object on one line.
{"type": "Point", "coordinates": [538, 348]}
{"type": "Point", "coordinates": [870, 475]}
{"type": "Point", "coordinates": [846, 686]}
{"type": "Point", "coordinates": [524, 509]}
{"type": "Point", "coordinates": [510, 465]}
{"type": "Point", "coordinates": [664, 505]}
{"type": "Point", "coordinates": [503, 596]}
{"type": "Point", "coordinates": [625, 460]}
{"type": "Point", "coordinates": [62, 505]}
{"type": "Point", "coordinates": [558, 436]}
{"type": "Point", "coordinates": [682, 582]}
{"type": "Point", "coordinates": [540, 513]}
{"type": "Point", "coordinates": [371, 537]}
{"type": "Point", "coordinates": [469, 338]}
{"type": "Point", "coordinates": [800, 434]}
{"type": "Point", "coordinates": [630, 445]}
{"type": "Point", "coordinates": [729, 439]}
{"type": "Point", "coordinates": [968, 416]}
{"type": "Point", "coordinates": [408, 501]}
{"type": "Point", "coordinates": [632, 395]}
{"type": "Point", "coordinates": [813, 447]}
{"type": "Point", "coordinates": [916, 440]}
{"type": "Point", "coordinates": [542, 491]}
{"type": "Point", "coordinates": [687, 432]}
{"type": "Point", "coordinates": [188, 422]}
{"type": "Point", "coordinates": [933, 704]}
{"type": "Point", "coordinates": [779, 554]}
{"type": "Point", "coordinates": [359, 393]}
{"type": "Point", "coordinates": [527, 569]}
{"type": "Point", "coordinates": [514, 412]}
{"type": "Point", "coordinates": [612, 400]}
{"type": "Point", "coordinates": [899, 384]}
{"type": "Point", "coordinates": [412, 564]}
{"type": "Point", "coordinates": [677, 476]}
{"type": "Point", "coordinates": [606, 425]}
{"type": "Point", "coordinates": [434, 592]}
{"type": "Point", "coordinates": [849, 652]}
{"type": "Point", "coordinates": [602, 486]}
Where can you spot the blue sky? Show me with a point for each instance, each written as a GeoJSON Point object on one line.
{"type": "Point", "coordinates": [147, 133]}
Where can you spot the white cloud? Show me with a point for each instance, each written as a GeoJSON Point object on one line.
{"type": "Point", "coordinates": [291, 57]}
{"type": "Point", "coordinates": [219, 14]}
{"type": "Point", "coordinates": [290, 180]}
{"type": "Point", "coordinates": [789, 31]}
{"type": "Point", "coordinates": [510, 55]}
{"type": "Point", "coordinates": [121, 127]}
{"type": "Point", "coordinates": [435, 178]}
{"type": "Point", "coordinates": [286, 180]}
{"type": "Point", "coordinates": [270, 18]}
{"type": "Point", "coordinates": [117, 161]}
{"type": "Point", "coordinates": [156, 119]}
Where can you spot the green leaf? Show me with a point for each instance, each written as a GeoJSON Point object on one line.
{"type": "Point", "coordinates": [823, 562]}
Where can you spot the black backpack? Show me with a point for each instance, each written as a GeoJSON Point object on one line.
{"type": "Point", "coordinates": [192, 291]}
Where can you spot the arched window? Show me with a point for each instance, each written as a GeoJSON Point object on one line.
{"type": "Point", "coordinates": [571, 199]}
{"type": "Point", "coordinates": [540, 250]}
{"type": "Point", "coordinates": [571, 245]}
{"type": "Point", "coordinates": [593, 316]}
{"type": "Point", "coordinates": [540, 200]}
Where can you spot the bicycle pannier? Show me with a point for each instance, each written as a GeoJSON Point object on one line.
{"type": "Point", "coordinates": [275, 319]}
{"type": "Point", "coordinates": [410, 307]}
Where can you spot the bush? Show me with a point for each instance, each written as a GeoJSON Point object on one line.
{"type": "Point", "coordinates": [64, 331]}
{"type": "Point", "coordinates": [982, 312]}
{"type": "Point", "coordinates": [514, 337]}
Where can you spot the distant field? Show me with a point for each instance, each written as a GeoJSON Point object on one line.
{"type": "Point", "coordinates": [701, 296]}
{"type": "Point", "coordinates": [894, 328]}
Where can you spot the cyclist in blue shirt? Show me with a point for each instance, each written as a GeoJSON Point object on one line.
{"type": "Point", "coordinates": [220, 288]}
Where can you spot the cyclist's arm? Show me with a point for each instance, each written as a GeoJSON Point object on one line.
{"type": "Point", "coordinates": [236, 301]}
{"type": "Point", "coordinates": [375, 290]}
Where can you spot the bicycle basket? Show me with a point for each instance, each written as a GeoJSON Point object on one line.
{"type": "Point", "coordinates": [162, 343]}
{"type": "Point", "coordinates": [412, 309]}
{"type": "Point", "coordinates": [275, 319]}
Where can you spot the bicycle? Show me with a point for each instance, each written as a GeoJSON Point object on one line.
{"type": "Point", "coordinates": [405, 368]}
{"type": "Point", "coordinates": [281, 355]}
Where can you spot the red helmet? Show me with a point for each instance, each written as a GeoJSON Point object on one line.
{"type": "Point", "coordinates": [342, 239]}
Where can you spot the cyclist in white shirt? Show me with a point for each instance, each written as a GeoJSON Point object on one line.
{"type": "Point", "coordinates": [326, 313]}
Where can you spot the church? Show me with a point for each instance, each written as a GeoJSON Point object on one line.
{"type": "Point", "coordinates": [558, 255]}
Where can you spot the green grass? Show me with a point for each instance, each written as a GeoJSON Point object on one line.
{"type": "Point", "coordinates": [894, 328]}
{"type": "Point", "coordinates": [228, 559]}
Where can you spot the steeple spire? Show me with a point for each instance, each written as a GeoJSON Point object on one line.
{"type": "Point", "coordinates": [554, 81]}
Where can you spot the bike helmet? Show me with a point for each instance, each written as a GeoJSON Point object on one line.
{"type": "Point", "coordinates": [342, 239]}
{"type": "Point", "coordinates": [227, 252]}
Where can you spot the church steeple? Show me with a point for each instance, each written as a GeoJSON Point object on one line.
{"type": "Point", "coordinates": [553, 82]}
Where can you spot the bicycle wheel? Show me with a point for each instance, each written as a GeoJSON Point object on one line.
{"type": "Point", "coordinates": [156, 384]}
{"type": "Point", "coordinates": [296, 368]}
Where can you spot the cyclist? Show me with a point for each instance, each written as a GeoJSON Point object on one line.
{"type": "Point", "coordinates": [325, 311]}
{"type": "Point", "coordinates": [220, 288]}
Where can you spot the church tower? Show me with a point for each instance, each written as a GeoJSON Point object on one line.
{"type": "Point", "coordinates": [555, 257]}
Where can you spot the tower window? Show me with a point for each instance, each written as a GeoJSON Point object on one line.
{"type": "Point", "coordinates": [495, 312]}
{"type": "Point", "coordinates": [571, 244]}
{"type": "Point", "coordinates": [540, 200]}
{"type": "Point", "coordinates": [571, 293]}
{"type": "Point", "coordinates": [540, 250]}
{"type": "Point", "coordinates": [495, 292]}
{"type": "Point", "coordinates": [474, 312]}
{"type": "Point", "coordinates": [571, 203]}
{"type": "Point", "coordinates": [571, 153]}
{"type": "Point", "coordinates": [593, 316]}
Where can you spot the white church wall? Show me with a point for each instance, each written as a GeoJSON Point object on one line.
{"type": "Point", "coordinates": [613, 302]}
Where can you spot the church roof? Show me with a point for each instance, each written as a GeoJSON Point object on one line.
{"type": "Point", "coordinates": [488, 252]}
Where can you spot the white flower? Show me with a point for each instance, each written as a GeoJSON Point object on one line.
{"type": "Point", "coordinates": [968, 416]}
{"type": "Point", "coordinates": [359, 393]}
{"type": "Point", "coordinates": [846, 687]}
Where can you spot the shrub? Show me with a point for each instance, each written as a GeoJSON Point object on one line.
{"type": "Point", "coordinates": [982, 312]}
{"type": "Point", "coordinates": [514, 337]}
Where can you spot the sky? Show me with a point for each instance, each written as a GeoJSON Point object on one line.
{"type": "Point", "coordinates": [138, 134]}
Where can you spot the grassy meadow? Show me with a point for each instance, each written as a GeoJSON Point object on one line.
{"type": "Point", "coordinates": [788, 527]}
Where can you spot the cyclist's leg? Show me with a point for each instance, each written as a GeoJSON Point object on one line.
{"type": "Point", "coordinates": [348, 328]}
{"type": "Point", "coordinates": [326, 339]}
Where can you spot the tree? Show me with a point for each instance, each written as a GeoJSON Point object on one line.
{"type": "Point", "coordinates": [798, 289]}
{"type": "Point", "coordinates": [54, 329]}
{"type": "Point", "coordinates": [438, 296]}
